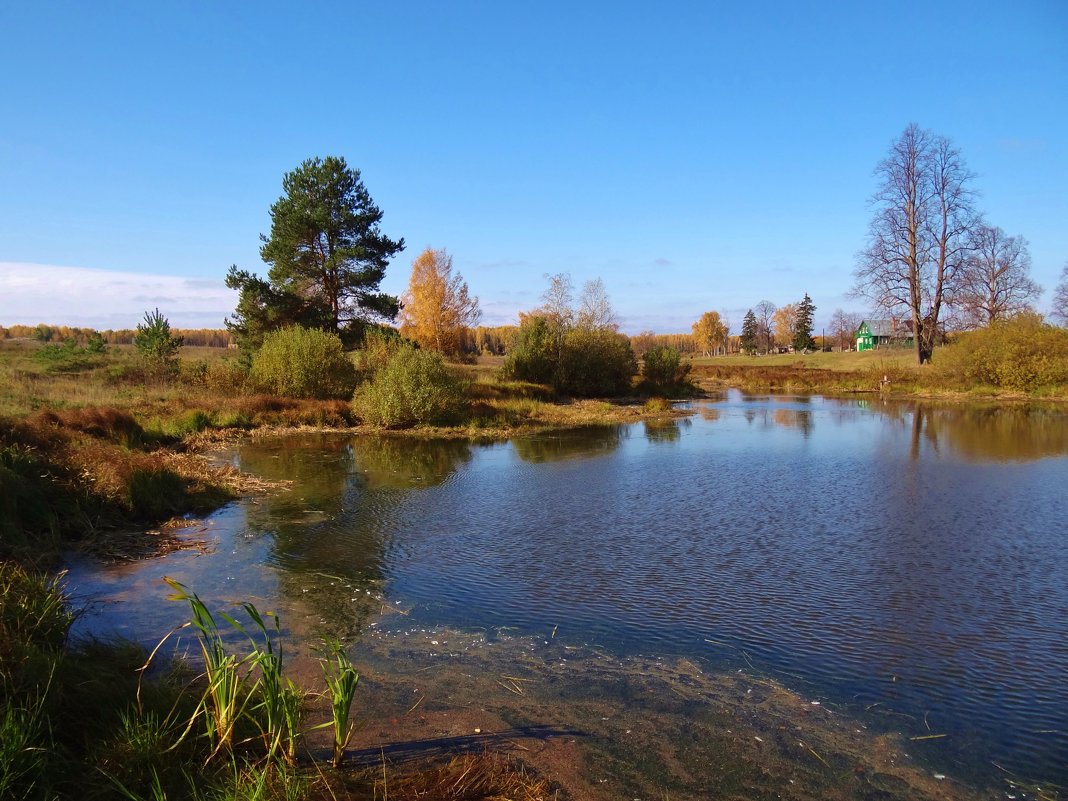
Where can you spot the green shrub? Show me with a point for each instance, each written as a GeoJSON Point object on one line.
{"type": "Point", "coordinates": [194, 372]}
{"type": "Point", "coordinates": [67, 356]}
{"type": "Point", "coordinates": [303, 363]}
{"type": "Point", "coordinates": [595, 363]}
{"type": "Point", "coordinates": [534, 354]}
{"type": "Point", "coordinates": [662, 367]}
{"type": "Point", "coordinates": [1019, 354]}
{"type": "Point", "coordinates": [586, 362]}
{"type": "Point", "coordinates": [379, 346]}
{"type": "Point", "coordinates": [96, 344]}
{"type": "Point", "coordinates": [413, 386]}
{"type": "Point", "coordinates": [226, 377]}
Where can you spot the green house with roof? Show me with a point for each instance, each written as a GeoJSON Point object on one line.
{"type": "Point", "coordinates": [872, 334]}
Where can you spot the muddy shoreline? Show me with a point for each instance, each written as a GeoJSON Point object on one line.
{"type": "Point", "coordinates": [606, 727]}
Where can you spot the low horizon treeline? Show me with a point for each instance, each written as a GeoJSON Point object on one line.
{"type": "Point", "coordinates": [44, 332]}
{"type": "Point", "coordinates": [478, 341]}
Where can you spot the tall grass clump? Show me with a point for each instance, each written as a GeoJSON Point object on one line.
{"type": "Point", "coordinates": [26, 509]}
{"type": "Point", "coordinates": [341, 680]}
{"type": "Point", "coordinates": [225, 694]}
{"type": "Point", "coordinates": [302, 362]}
{"type": "Point", "coordinates": [281, 702]}
{"type": "Point", "coordinates": [34, 623]}
{"type": "Point", "coordinates": [407, 387]}
{"type": "Point", "coordinates": [1021, 354]}
{"type": "Point", "coordinates": [248, 687]}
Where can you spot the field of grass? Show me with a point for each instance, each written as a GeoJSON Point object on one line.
{"type": "Point", "coordinates": [887, 371]}
{"type": "Point", "coordinates": [844, 361]}
{"type": "Point", "coordinates": [829, 373]}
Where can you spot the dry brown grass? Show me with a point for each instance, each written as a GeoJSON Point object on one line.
{"type": "Point", "coordinates": [71, 476]}
{"type": "Point", "coordinates": [97, 421]}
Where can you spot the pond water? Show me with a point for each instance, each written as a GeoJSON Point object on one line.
{"type": "Point", "coordinates": [902, 560]}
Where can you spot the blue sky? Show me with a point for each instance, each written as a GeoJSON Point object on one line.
{"type": "Point", "coordinates": [695, 156]}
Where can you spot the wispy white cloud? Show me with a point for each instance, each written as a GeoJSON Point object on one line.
{"type": "Point", "coordinates": [82, 296]}
{"type": "Point", "coordinates": [499, 312]}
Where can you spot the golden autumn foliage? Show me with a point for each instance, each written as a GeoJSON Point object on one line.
{"type": "Point", "coordinates": [710, 333]}
{"type": "Point", "coordinates": [437, 307]}
{"type": "Point", "coordinates": [785, 324]}
{"type": "Point", "coordinates": [647, 340]}
{"type": "Point", "coordinates": [488, 340]}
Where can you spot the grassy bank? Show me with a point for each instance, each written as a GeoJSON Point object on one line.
{"type": "Point", "coordinates": [889, 372]}
{"type": "Point", "coordinates": [1022, 357]}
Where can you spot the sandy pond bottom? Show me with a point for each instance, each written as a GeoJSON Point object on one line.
{"type": "Point", "coordinates": [604, 727]}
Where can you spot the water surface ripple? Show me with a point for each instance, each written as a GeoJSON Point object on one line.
{"type": "Point", "coordinates": [904, 560]}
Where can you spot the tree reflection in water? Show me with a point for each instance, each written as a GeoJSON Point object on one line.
{"type": "Point", "coordinates": [337, 521]}
{"type": "Point", "coordinates": [983, 433]}
{"type": "Point", "coordinates": [576, 443]}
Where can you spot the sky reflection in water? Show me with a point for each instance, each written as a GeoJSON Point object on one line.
{"type": "Point", "coordinates": [903, 555]}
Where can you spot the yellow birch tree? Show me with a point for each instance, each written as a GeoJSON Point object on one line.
{"type": "Point", "coordinates": [709, 333]}
{"type": "Point", "coordinates": [437, 306]}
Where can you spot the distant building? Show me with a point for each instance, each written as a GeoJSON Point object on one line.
{"type": "Point", "coordinates": [873, 334]}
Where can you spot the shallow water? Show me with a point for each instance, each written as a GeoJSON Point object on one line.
{"type": "Point", "coordinates": [905, 561]}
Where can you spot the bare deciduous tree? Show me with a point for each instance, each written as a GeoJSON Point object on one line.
{"type": "Point", "coordinates": [995, 282]}
{"type": "Point", "coordinates": [918, 240]}
{"type": "Point", "coordinates": [844, 327]}
{"type": "Point", "coordinates": [595, 310]}
{"type": "Point", "coordinates": [556, 301]}
{"type": "Point", "coordinates": [765, 312]}
{"type": "Point", "coordinates": [1060, 298]}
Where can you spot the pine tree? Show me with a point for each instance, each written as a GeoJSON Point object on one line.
{"type": "Point", "coordinates": [327, 258]}
{"type": "Point", "coordinates": [748, 339]}
{"type": "Point", "coordinates": [156, 344]}
{"type": "Point", "coordinates": [803, 325]}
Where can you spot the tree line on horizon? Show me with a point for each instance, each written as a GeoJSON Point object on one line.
{"type": "Point", "coordinates": [81, 335]}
